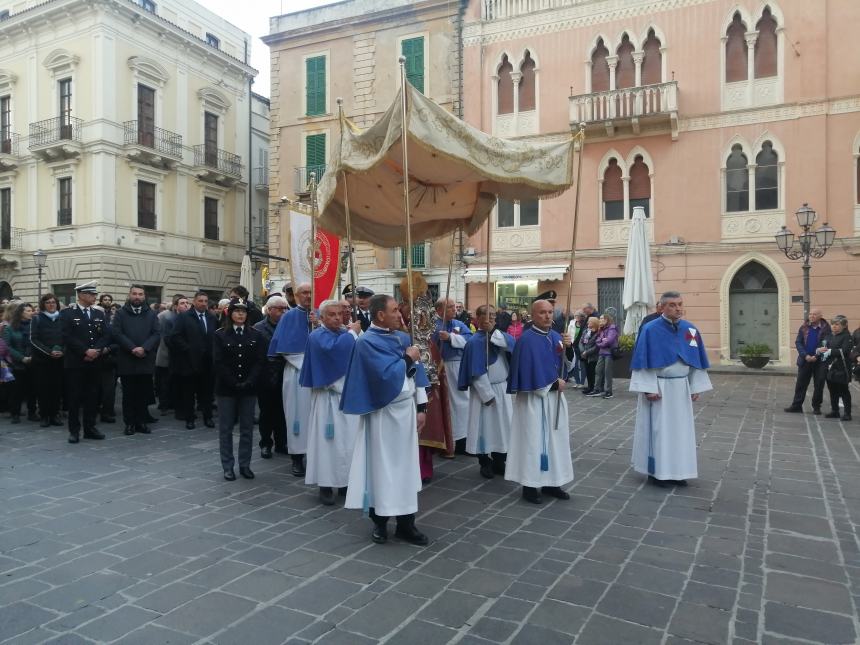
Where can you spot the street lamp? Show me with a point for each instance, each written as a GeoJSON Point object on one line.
{"type": "Point", "coordinates": [809, 244]}
{"type": "Point", "coordinates": [41, 259]}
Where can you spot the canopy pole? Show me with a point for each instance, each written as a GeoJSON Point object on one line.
{"type": "Point", "coordinates": [313, 249]}
{"type": "Point", "coordinates": [580, 136]}
{"type": "Point", "coordinates": [448, 286]}
{"type": "Point", "coordinates": [406, 208]}
{"type": "Point", "coordinates": [489, 246]}
{"type": "Point", "coordinates": [352, 272]}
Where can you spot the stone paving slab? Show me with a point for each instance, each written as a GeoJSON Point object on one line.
{"type": "Point", "coordinates": [139, 540]}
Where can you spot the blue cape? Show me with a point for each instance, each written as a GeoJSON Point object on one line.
{"type": "Point", "coordinates": [326, 357]}
{"type": "Point", "coordinates": [474, 362]}
{"type": "Point", "coordinates": [536, 361]}
{"type": "Point", "coordinates": [450, 353]}
{"type": "Point", "coordinates": [291, 334]}
{"type": "Point", "coordinates": [659, 346]}
{"type": "Point", "coordinates": [374, 376]}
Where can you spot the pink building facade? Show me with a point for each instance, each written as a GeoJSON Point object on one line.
{"type": "Point", "coordinates": [721, 118]}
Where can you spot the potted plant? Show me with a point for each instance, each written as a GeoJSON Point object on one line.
{"type": "Point", "coordinates": [755, 355]}
{"type": "Point", "coordinates": [623, 356]}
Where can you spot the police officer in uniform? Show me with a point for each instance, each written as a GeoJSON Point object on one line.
{"type": "Point", "coordinates": [239, 356]}
{"type": "Point", "coordinates": [86, 337]}
{"type": "Point", "coordinates": [363, 302]}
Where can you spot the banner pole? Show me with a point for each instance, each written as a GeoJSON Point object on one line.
{"type": "Point", "coordinates": [406, 207]}
{"type": "Point", "coordinates": [313, 187]}
{"type": "Point", "coordinates": [489, 295]}
{"type": "Point", "coordinates": [352, 272]}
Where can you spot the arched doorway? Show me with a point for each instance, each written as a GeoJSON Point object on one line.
{"type": "Point", "coordinates": [5, 291]}
{"type": "Point", "coordinates": [754, 309]}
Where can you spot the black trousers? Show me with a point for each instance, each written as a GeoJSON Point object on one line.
{"type": "Point", "coordinates": [402, 520]}
{"type": "Point", "coordinates": [816, 373]}
{"type": "Point", "coordinates": [136, 393]}
{"type": "Point", "coordinates": [107, 390]}
{"type": "Point", "coordinates": [82, 396]}
{"type": "Point", "coordinates": [196, 387]}
{"type": "Point", "coordinates": [49, 386]}
{"type": "Point", "coordinates": [273, 425]}
{"type": "Point", "coordinates": [837, 391]}
{"type": "Point", "coordinates": [590, 371]}
{"type": "Point", "coordinates": [165, 386]}
{"type": "Point", "coordinates": [230, 410]}
{"type": "Point", "coordinates": [23, 391]}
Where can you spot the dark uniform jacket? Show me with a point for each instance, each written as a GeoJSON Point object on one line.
{"type": "Point", "coordinates": [190, 348]}
{"type": "Point", "coordinates": [238, 360]}
{"type": "Point", "coordinates": [46, 336]}
{"type": "Point", "coordinates": [81, 334]}
{"type": "Point", "coordinates": [130, 330]}
{"type": "Point", "coordinates": [273, 373]}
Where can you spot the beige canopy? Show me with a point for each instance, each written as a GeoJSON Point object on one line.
{"type": "Point", "coordinates": [455, 173]}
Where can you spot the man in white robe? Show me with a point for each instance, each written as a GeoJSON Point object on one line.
{"type": "Point", "coordinates": [380, 386]}
{"type": "Point", "coordinates": [490, 405]}
{"type": "Point", "coordinates": [669, 372]}
{"type": "Point", "coordinates": [331, 433]}
{"type": "Point", "coordinates": [539, 450]}
{"type": "Point", "coordinates": [451, 337]}
{"type": "Point", "coordinates": [289, 341]}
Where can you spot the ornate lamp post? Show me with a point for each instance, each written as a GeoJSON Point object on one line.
{"type": "Point", "coordinates": [41, 259]}
{"type": "Point", "coordinates": [810, 244]}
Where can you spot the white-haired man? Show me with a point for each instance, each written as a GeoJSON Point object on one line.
{"type": "Point", "coordinates": [269, 397]}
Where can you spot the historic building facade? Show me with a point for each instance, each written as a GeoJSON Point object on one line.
{"type": "Point", "coordinates": [124, 143]}
{"type": "Point", "coordinates": [350, 50]}
{"type": "Point", "coordinates": [719, 117]}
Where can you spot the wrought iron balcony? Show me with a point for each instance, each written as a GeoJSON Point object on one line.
{"type": "Point", "coordinates": [303, 178]}
{"type": "Point", "coordinates": [634, 107]}
{"type": "Point", "coordinates": [64, 217]}
{"type": "Point", "coordinates": [8, 150]}
{"type": "Point", "coordinates": [151, 145]}
{"type": "Point", "coordinates": [261, 178]}
{"type": "Point", "coordinates": [217, 166]}
{"type": "Point", "coordinates": [10, 238]}
{"type": "Point", "coordinates": [56, 138]}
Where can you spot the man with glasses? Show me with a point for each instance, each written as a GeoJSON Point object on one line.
{"type": "Point", "coordinates": [273, 426]}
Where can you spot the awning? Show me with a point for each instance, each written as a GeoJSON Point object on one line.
{"type": "Point", "coordinates": [478, 273]}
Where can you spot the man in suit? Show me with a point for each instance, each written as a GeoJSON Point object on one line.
{"type": "Point", "coordinates": [86, 337]}
{"type": "Point", "coordinates": [190, 345]}
{"type": "Point", "coordinates": [359, 297]}
{"type": "Point", "coordinates": [136, 335]}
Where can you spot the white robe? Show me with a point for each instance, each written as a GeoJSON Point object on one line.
{"type": "Point", "coordinates": [297, 405]}
{"type": "Point", "coordinates": [385, 460]}
{"type": "Point", "coordinates": [490, 426]}
{"type": "Point", "coordinates": [459, 401]}
{"type": "Point", "coordinates": [666, 428]}
{"type": "Point", "coordinates": [532, 427]}
{"type": "Point", "coordinates": [328, 460]}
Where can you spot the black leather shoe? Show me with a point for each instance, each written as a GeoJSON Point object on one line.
{"type": "Point", "coordinates": [326, 496]}
{"type": "Point", "coordinates": [832, 415]}
{"type": "Point", "coordinates": [794, 408]}
{"type": "Point", "coordinates": [555, 491]}
{"type": "Point", "coordinates": [816, 410]}
{"type": "Point", "coordinates": [142, 428]}
{"type": "Point", "coordinates": [246, 472]}
{"type": "Point", "coordinates": [487, 470]}
{"type": "Point", "coordinates": [229, 475]}
{"type": "Point", "coordinates": [93, 433]}
{"type": "Point", "coordinates": [190, 425]}
{"type": "Point", "coordinates": [73, 438]}
{"type": "Point", "coordinates": [660, 483]}
{"type": "Point", "coordinates": [380, 533]}
{"type": "Point", "coordinates": [45, 423]}
{"type": "Point", "coordinates": [408, 533]}
{"type": "Point", "coordinates": [846, 417]}
{"type": "Point", "coordinates": [298, 466]}
{"type": "Point", "coordinates": [499, 466]}
{"type": "Point", "coordinates": [209, 423]}
{"type": "Point", "coordinates": [266, 452]}
{"type": "Point", "coordinates": [106, 418]}
{"type": "Point", "coordinates": [532, 495]}
{"type": "Point", "coordinates": [129, 430]}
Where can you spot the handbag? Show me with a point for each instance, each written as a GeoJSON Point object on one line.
{"type": "Point", "coordinates": [617, 353]}
{"type": "Point", "coordinates": [6, 375]}
{"type": "Point", "coordinates": [839, 374]}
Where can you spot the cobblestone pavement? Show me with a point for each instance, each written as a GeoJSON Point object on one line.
{"type": "Point", "coordinates": [139, 540]}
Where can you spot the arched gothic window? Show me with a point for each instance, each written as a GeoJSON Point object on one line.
{"type": "Point", "coordinates": [767, 178]}
{"type": "Point", "coordinates": [765, 45]}
{"type": "Point", "coordinates": [736, 50]}
{"type": "Point", "coordinates": [737, 181]}
{"type": "Point", "coordinates": [599, 68]}
{"type": "Point", "coordinates": [625, 72]}
{"type": "Point", "coordinates": [652, 63]}
{"type": "Point", "coordinates": [613, 192]}
{"type": "Point", "coordinates": [527, 84]}
{"type": "Point", "coordinates": [640, 186]}
{"type": "Point", "coordinates": [506, 87]}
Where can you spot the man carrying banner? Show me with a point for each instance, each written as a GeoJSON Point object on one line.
{"type": "Point", "coordinates": [289, 340]}
{"type": "Point", "coordinates": [669, 371]}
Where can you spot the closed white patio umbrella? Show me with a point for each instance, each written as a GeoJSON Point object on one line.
{"type": "Point", "coordinates": [638, 296]}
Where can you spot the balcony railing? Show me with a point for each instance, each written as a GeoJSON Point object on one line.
{"type": "Point", "coordinates": [56, 130]}
{"type": "Point", "coordinates": [64, 217]}
{"type": "Point", "coordinates": [501, 9]}
{"type": "Point", "coordinates": [303, 177]}
{"type": "Point", "coordinates": [9, 143]}
{"type": "Point", "coordinates": [261, 176]}
{"type": "Point", "coordinates": [10, 238]}
{"type": "Point", "coordinates": [217, 159]}
{"type": "Point", "coordinates": [627, 103]}
{"type": "Point", "coordinates": [158, 139]}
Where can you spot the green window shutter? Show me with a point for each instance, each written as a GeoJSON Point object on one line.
{"type": "Point", "coordinates": [418, 259]}
{"type": "Point", "coordinates": [315, 89]}
{"type": "Point", "coordinates": [412, 50]}
{"type": "Point", "coordinates": [315, 155]}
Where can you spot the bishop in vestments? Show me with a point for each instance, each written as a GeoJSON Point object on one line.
{"type": "Point", "coordinates": [668, 371]}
